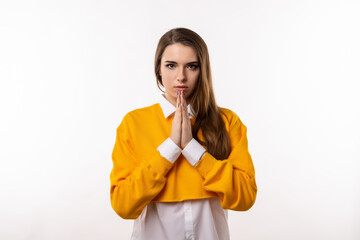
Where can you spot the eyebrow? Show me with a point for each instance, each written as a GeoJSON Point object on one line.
{"type": "Point", "coordinates": [187, 63]}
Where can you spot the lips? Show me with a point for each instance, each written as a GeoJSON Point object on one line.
{"type": "Point", "coordinates": [180, 87]}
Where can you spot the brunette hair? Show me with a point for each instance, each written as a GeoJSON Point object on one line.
{"type": "Point", "coordinates": [208, 118]}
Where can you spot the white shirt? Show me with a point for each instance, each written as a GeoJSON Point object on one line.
{"type": "Point", "coordinates": [200, 219]}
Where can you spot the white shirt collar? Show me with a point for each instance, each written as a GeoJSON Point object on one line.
{"type": "Point", "coordinates": [168, 108]}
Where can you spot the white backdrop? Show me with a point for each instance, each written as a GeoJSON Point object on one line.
{"type": "Point", "coordinates": [70, 70]}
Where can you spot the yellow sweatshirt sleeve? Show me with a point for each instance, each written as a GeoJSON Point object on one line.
{"type": "Point", "coordinates": [134, 183]}
{"type": "Point", "coordinates": [233, 179]}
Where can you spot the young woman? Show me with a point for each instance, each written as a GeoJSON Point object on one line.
{"type": "Point", "coordinates": [179, 164]}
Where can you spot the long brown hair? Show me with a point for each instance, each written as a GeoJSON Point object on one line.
{"type": "Point", "coordinates": [208, 118]}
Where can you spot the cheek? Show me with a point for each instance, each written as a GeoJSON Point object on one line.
{"type": "Point", "coordinates": [166, 80]}
{"type": "Point", "coordinates": [195, 78]}
{"type": "Point", "coordinates": [164, 72]}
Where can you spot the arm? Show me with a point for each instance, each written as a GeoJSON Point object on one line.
{"type": "Point", "coordinates": [133, 183]}
{"type": "Point", "coordinates": [233, 179]}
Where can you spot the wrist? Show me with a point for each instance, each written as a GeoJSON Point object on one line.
{"type": "Point", "coordinates": [193, 152]}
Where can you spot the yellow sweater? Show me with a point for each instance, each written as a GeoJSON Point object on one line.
{"type": "Point", "coordinates": [140, 174]}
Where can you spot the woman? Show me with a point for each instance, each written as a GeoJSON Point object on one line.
{"type": "Point", "coordinates": [179, 164]}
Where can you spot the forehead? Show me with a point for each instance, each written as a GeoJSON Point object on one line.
{"type": "Point", "coordinates": [179, 53]}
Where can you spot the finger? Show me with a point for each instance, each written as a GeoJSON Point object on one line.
{"type": "Point", "coordinates": [177, 99]}
{"type": "Point", "coordinates": [182, 103]}
{"type": "Point", "coordinates": [181, 114]}
{"type": "Point", "coordinates": [186, 113]}
{"type": "Point", "coordinates": [178, 110]}
{"type": "Point", "coordinates": [180, 96]}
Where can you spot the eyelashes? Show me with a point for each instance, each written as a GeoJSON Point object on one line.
{"type": "Point", "coordinates": [192, 67]}
{"type": "Point", "coordinates": [170, 66]}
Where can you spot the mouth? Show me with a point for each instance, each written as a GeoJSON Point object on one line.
{"type": "Point", "coordinates": [181, 88]}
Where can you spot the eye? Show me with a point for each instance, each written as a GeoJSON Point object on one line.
{"type": "Point", "coordinates": [193, 66]}
{"type": "Point", "coordinates": [170, 65]}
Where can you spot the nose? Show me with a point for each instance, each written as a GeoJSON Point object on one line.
{"type": "Point", "coordinates": [180, 74]}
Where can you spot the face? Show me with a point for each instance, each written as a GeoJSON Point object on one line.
{"type": "Point", "coordinates": [179, 68]}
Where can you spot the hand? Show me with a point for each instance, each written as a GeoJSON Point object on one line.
{"type": "Point", "coordinates": [181, 133]}
{"type": "Point", "coordinates": [176, 123]}
{"type": "Point", "coordinates": [186, 133]}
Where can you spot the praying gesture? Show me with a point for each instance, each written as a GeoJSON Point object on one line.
{"type": "Point", "coordinates": [181, 126]}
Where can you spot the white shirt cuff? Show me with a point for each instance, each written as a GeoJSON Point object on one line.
{"type": "Point", "coordinates": [169, 150]}
{"type": "Point", "coordinates": [193, 151]}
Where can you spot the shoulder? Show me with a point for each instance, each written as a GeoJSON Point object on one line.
{"type": "Point", "coordinates": [140, 114]}
{"type": "Point", "coordinates": [234, 125]}
{"type": "Point", "coordinates": [229, 116]}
